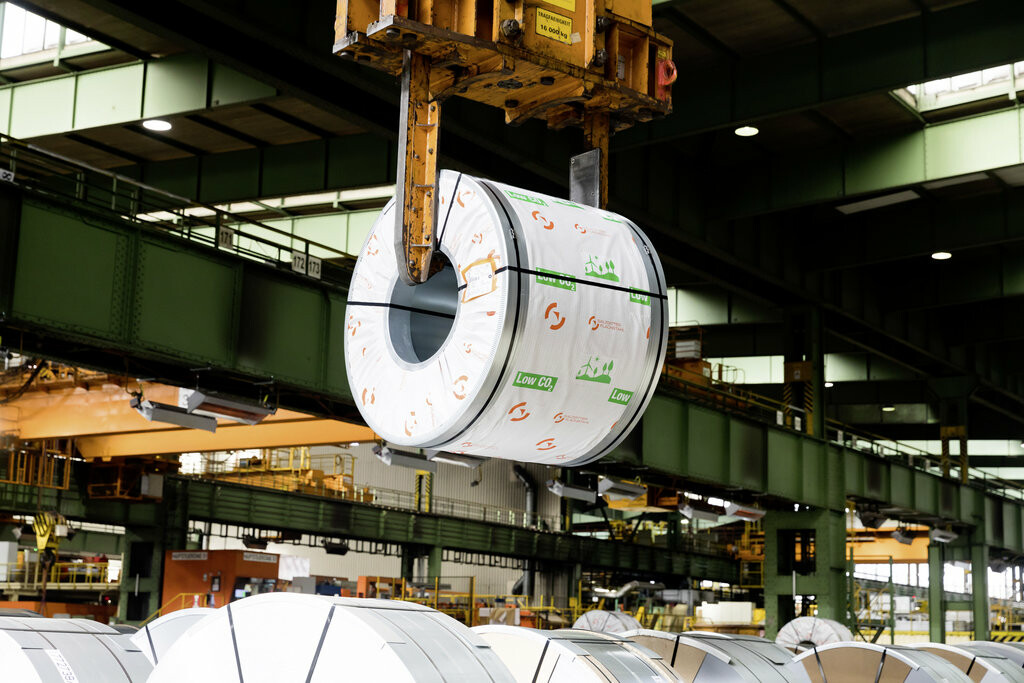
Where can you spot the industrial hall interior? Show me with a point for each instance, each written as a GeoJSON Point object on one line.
{"type": "Point", "coordinates": [511, 341]}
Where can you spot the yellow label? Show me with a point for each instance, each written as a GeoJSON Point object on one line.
{"type": "Point", "coordinates": [564, 4]}
{"type": "Point", "coordinates": [554, 26]}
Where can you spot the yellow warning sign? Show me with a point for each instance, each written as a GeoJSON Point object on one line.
{"type": "Point", "coordinates": [554, 26]}
{"type": "Point", "coordinates": [564, 4]}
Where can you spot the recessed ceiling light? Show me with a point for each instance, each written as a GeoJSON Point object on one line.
{"type": "Point", "coordinates": [829, 385]}
{"type": "Point", "coordinates": [888, 408]}
{"type": "Point", "coordinates": [942, 255]}
{"type": "Point", "coordinates": [156, 124]}
{"type": "Point", "coordinates": [746, 131]}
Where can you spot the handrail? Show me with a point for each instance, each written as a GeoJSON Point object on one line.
{"type": "Point", "coordinates": [181, 596]}
{"type": "Point", "coordinates": [62, 574]}
{"type": "Point", "coordinates": [54, 175]}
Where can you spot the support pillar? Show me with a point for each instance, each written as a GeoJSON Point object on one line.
{"type": "Point", "coordinates": [434, 561]}
{"type": "Point", "coordinates": [804, 387]}
{"type": "Point", "coordinates": [936, 595]}
{"type": "Point", "coordinates": [142, 568]}
{"type": "Point", "coordinates": [979, 591]}
{"type": "Point", "coordinates": [804, 551]}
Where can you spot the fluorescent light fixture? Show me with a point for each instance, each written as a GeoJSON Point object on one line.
{"type": "Point", "coordinates": [156, 124]}
{"type": "Point", "coordinates": [888, 408]}
{"type": "Point", "coordinates": [745, 512]}
{"type": "Point", "coordinates": [878, 202]}
{"type": "Point", "coordinates": [161, 412]}
{"type": "Point", "coordinates": [958, 180]}
{"type": "Point", "coordinates": [746, 131]}
{"type": "Point", "coordinates": [457, 459]}
{"type": "Point", "coordinates": [616, 489]}
{"type": "Point", "coordinates": [829, 385]}
{"type": "Point", "coordinates": [254, 542]}
{"type": "Point", "coordinates": [412, 461]}
{"type": "Point", "coordinates": [217, 406]}
{"type": "Point", "coordinates": [941, 255]}
{"type": "Point", "coordinates": [563, 490]}
{"type": "Point", "coordinates": [1022, 444]}
{"type": "Point", "coordinates": [901, 536]}
{"type": "Point", "coordinates": [691, 512]}
{"type": "Point", "coordinates": [943, 535]}
{"type": "Point", "coordinates": [872, 519]}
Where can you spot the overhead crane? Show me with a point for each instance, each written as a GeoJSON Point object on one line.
{"type": "Point", "coordinates": [596, 64]}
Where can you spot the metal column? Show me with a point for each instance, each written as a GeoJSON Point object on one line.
{"type": "Point", "coordinates": [936, 600]}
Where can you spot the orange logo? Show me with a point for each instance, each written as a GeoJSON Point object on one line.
{"type": "Point", "coordinates": [410, 423]}
{"type": "Point", "coordinates": [559, 417]}
{"type": "Point", "coordinates": [477, 238]}
{"type": "Point", "coordinates": [465, 193]}
{"type": "Point", "coordinates": [580, 229]}
{"type": "Point", "coordinates": [545, 444]}
{"type": "Point", "coordinates": [593, 323]}
{"type": "Point", "coordinates": [373, 396]}
{"type": "Point", "coordinates": [490, 313]}
{"type": "Point", "coordinates": [520, 412]}
{"type": "Point", "coordinates": [371, 248]}
{"type": "Point", "coordinates": [364, 350]}
{"type": "Point", "coordinates": [459, 390]}
{"type": "Point", "coordinates": [353, 325]}
{"type": "Point", "coordinates": [648, 332]}
{"type": "Point", "coordinates": [552, 312]}
{"type": "Point", "coordinates": [545, 223]}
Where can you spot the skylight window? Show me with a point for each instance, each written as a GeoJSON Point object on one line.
{"type": "Point", "coordinates": [998, 81]}
{"type": "Point", "coordinates": [24, 33]}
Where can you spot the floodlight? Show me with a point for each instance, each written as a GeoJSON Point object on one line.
{"type": "Point", "coordinates": [942, 255]}
{"type": "Point", "coordinates": [871, 519]}
{"type": "Point", "coordinates": [943, 535]}
{"type": "Point", "coordinates": [156, 124]}
{"type": "Point", "coordinates": [413, 461]}
{"type": "Point", "coordinates": [162, 412]}
{"type": "Point", "coordinates": [254, 542]}
{"type": "Point", "coordinates": [901, 536]}
{"type": "Point", "coordinates": [217, 406]}
{"type": "Point", "coordinates": [332, 548]}
{"type": "Point", "coordinates": [457, 459]}
{"type": "Point", "coordinates": [616, 489]}
{"type": "Point", "coordinates": [691, 512]}
{"type": "Point", "coordinates": [745, 512]}
{"type": "Point", "coordinates": [563, 490]}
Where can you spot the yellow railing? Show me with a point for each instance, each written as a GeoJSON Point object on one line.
{"type": "Point", "coordinates": [64, 575]}
{"type": "Point", "coordinates": [179, 601]}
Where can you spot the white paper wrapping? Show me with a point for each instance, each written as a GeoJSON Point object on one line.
{"type": "Point", "coordinates": [805, 632]}
{"type": "Point", "coordinates": [557, 339]}
{"type": "Point", "coordinates": [604, 621]}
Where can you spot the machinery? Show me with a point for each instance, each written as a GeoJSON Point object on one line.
{"type": "Point", "coordinates": [591, 63]}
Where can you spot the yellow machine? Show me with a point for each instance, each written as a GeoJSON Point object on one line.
{"type": "Point", "coordinates": [591, 63]}
{"type": "Point", "coordinates": [49, 528]}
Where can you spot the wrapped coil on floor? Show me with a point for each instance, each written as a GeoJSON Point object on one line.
{"type": "Point", "coordinates": [541, 339]}
{"type": "Point", "coordinates": [804, 633]}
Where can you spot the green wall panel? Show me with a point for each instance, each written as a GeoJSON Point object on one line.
{"type": "Point", "coordinates": [887, 163]}
{"type": "Point", "coordinates": [926, 490]}
{"type": "Point", "coordinates": [5, 111]}
{"type": "Point", "coordinates": [746, 454]}
{"type": "Point", "coordinates": [42, 108]}
{"type": "Point", "coordinates": [335, 378]}
{"type": "Point", "coordinates": [664, 429]}
{"type": "Point", "coordinates": [976, 144]}
{"type": "Point", "coordinates": [231, 175]}
{"type": "Point", "coordinates": [57, 252]}
{"type": "Point", "coordinates": [176, 84]}
{"type": "Point", "coordinates": [784, 466]}
{"type": "Point", "coordinates": [291, 169]}
{"type": "Point", "coordinates": [109, 96]}
{"type": "Point", "coordinates": [231, 87]}
{"type": "Point", "coordinates": [282, 329]}
{"type": "Point", "coordinates": [358, 160]}
{"type": "Point", "coordinates": [708, 444]}
{"type": "Point", "coordinates": [853, 468]}
{"type": "Point", "coordinates": [901, 487]}
{"type": "Point", "coordinates": [175, 286]}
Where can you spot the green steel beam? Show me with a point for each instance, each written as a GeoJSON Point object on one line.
{"type": "Point", "coordinates": [741, 90]}
{"type": "Point", "coordinates": [123, 94]}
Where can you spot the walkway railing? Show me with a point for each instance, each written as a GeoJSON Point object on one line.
{"type": "Point", "coordinates": [61, 575]}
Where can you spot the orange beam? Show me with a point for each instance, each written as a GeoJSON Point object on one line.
{"type": "Point", "coordinates": [882, 548]}
{"type": "Point", "coordinates": [105, 425]}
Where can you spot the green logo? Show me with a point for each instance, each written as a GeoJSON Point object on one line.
{"type": "Point", "coordinates": [620, 396]}
{"type": "Point", "coordinates": [604, 271]}
{"type": "Point", "coordinates": [594, 371]}
{"type": "Point", "coordinates": [525, 198]}
{"type": "Point", "coordinates": [565, 203]}
{"type": "Point", "coordinates": [638, 297]}
{"type": "Point", "coordinates": [614, 220]}
{"type": "Point", "coordinates": [529, 380]}
{"type": "Point", "coordinates": [559, 280]}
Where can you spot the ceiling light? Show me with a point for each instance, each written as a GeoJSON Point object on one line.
{"type": "Point", "coordinates": [829, 385]}
{"type": "Point", "coordinates": [901, 536]}
{"type": "Point", "coordinates": [878, 202]}
{"type": "Point", "coordinates": [691, 512]}
{"type": "Point", "coordinates": [156, 124]}
{"type": "Point", "coordinates": [1022, 444]}
{"type": "Point", "coordinates": [216, 406]}
{"type": "Point", "coordinates": [563, 490]}
{"type": "Point", "coordinates": [470, 461]}
{"type": "Point", "coordinates": [254, 542]}
{"type": "Point", "coordinates": [941, 255]}
{"type": "Point", "coordinates": [746, 131]}
{"type": "Point", "coordinates": [401, 459]}
{"type": "Point", "coordinates": [161, 412]}
{"type": "Point", "coordinates": [943, 535]}
{"type": "Point", "coordinates": [333, 548]}
{"type": "Point", "coordinates": [888, 408]}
